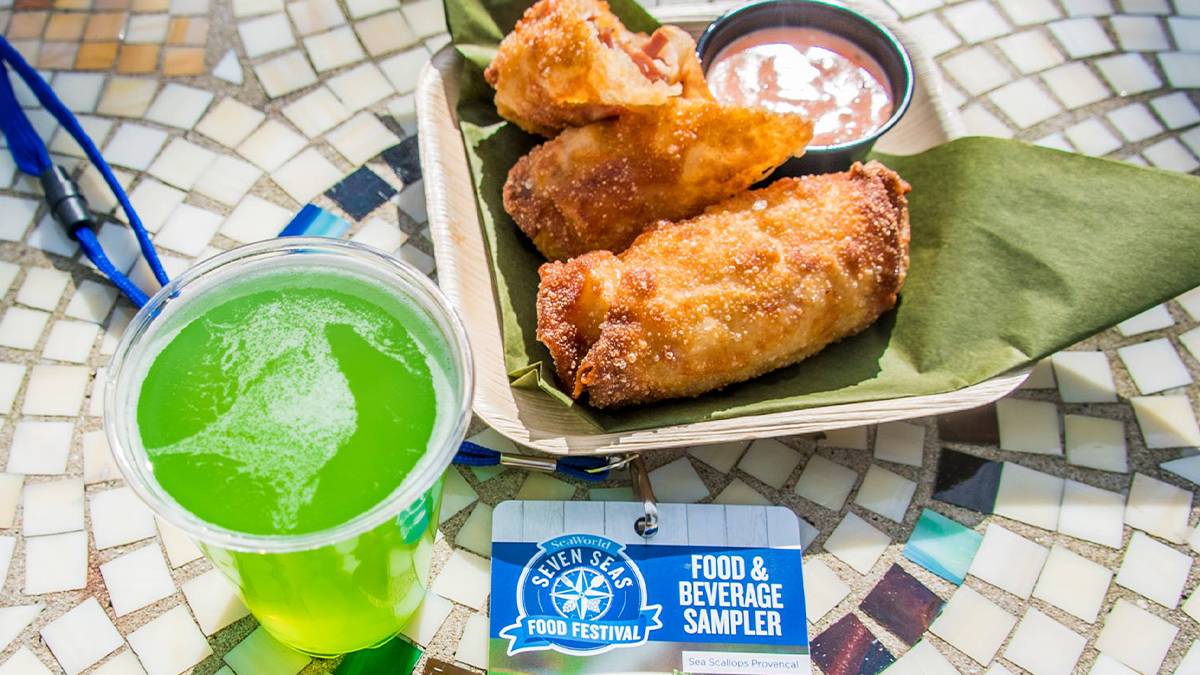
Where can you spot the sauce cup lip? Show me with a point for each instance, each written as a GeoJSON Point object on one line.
{"type": "Point", "coordinates": [721, 22]}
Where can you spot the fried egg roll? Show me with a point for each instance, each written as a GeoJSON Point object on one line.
{"type": "Point", "coordinates": [759, 281]}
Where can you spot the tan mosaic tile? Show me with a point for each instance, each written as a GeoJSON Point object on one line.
{"type": "Point", "coordinates": [96, 56]}
{"type": "Point", "coordinates": [137, 59]}
{"type": "Point", "coordinates": [183, 61]}
{"type": "Point", "coordinates": [105, 26]}
{"type": "Point", "coordinates": [65, 26]}
{"type": "Point", "coordinates": [26, 25]}
{"type": "Point", "coordinates": [57, 55]}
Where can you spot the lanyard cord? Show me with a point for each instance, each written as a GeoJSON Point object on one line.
{"type": "Point", "coordinates": [63, 196]}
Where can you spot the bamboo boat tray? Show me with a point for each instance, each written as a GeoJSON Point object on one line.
{"type": "Point", "coordinates": [532, 419]}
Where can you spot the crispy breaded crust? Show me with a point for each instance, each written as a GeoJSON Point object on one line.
{"type": "Point", "coordinates": [571, 62]}
{"type": "Point", "coordinates": [598, 187]}
{"type": "Point", "coordinates": [757, 282]}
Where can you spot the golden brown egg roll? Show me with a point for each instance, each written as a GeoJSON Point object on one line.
{"type": "Point", "coordinates": [571, 62]}
{"type": "Point", "coordinates": [757, 282]}
{"type": "Point", "coordinates": [598, 187]}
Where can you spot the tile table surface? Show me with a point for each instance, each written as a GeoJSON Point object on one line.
{"type": "Point", "coordinates": [224, 117]}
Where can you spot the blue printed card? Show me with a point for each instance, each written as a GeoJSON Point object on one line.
{"type": "Point", "coordinates": [575, 589]}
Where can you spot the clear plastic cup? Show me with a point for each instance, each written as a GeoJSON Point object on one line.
{"type": "Point", "coordinates": [351, 586]}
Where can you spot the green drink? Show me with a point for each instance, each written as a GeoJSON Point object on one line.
{"type": "Point", "coordinates": [292, 405]}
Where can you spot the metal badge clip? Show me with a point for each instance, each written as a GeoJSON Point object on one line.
{"type": "Point", "coordinates": [647, 525]}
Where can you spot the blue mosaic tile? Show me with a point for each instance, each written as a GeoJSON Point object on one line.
{"type": "Point", "coordinates": [942, 546]}
{"type": "Point", "coordinates": [405, 160]}
{"type": "Point", "coordinates": [967, 481]}
{"type": "Point", "coordinates": [361, 193]}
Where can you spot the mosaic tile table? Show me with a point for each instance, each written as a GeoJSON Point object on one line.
{"type": "Point", "coordinates": [224, 118]}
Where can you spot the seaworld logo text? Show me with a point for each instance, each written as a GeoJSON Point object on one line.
{"type": "Point", "coordinates": [581, 595]}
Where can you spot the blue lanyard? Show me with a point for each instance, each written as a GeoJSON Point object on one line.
{"type": "Point", "coordinates": [71, 210]}
{"type": "Point", "coordinates": [61, 193]}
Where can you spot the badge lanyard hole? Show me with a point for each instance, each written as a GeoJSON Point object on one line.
{"type": "Point", "coordinates": [646, 525]}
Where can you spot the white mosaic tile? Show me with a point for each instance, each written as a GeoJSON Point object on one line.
{"type": "Point", "coordinates": [230, 121]}
{"type": "Point", "coordinates": [179, 106]}
{"type": "Point", "coordinates": [425, 16]}
{"type": "Point", "coordinates": [1041, 377]}
{"type": "Point", "coordinates": [380, 234]}
{"type": "Point", "coordinates": [1191, 138]}
{"type": "Point", "coordinates": [1030, 51]}
{"type": "Point", "coordinates": [464, 579]}
{"type": "Point", "coordinates": [385, 33]}
{"type": "Point", "coordinates": [1155, 507]}
{"type": "Point", "coordinates": [154, 202]}
{"type": "Point", "coordinates": [475, 535]}
{"type": "Point", "coordinates": [312, 16]}
{"type": "Point", "coordinates": [255, 219]}
{"type": "Point", "coordinates": [43, 287]}
{"type": "Point", "coordinates": [271, 145]}
{"type": "Point", "coordinates": [117, 321]}
{"type": "Point", "coordinates": [1028, 426]}
{"type": "Point", "coordinates": [854, 438]}
{"type": "Point", "coordinates": [361, 138]}
{"type": "Point", "coordinates": [1044, 646]}
{"type": "Point", "coordinates": [40, 448]}
{"type": "Point", "coordinates": [677, 482]}
{"type": "Point", "coordinates": [980, 122]}
{"type": "Point", "coordinates": [188, 230]}
{"type": "Point", "coordinates": [55, 390]}
{"type": "Point", "coordinates": [1130, 122]}
{"type": "Point", "coordinates": [457, 494]}
{"type": "Point", "coordinates": [1192, 606]}
{"type": "Point", "coordinates": [70, 341]}
{"type": "Point", "coordinates": [899, 442]}
{"type": "Point", "coordinates": [1128, 74]}
{"type": "Point", "coordinates": [1081, 37]}
{"type": "Point", "coordinates": [316, 112]}
{"type": "Point", "coordinates": [1191, 661]}
{"type": "Point", "coordinates": [1073, 583]}
{"type": "Point", "coordinates": [134, 146]}
{"type": "Point", "coordinates": [1191, 340]}
{"type": "Point", "coordinates": [54, 563]}
{"type": "Point", "coordinates": [360, 87]}
{"type": "Point", "coordinates": [411, 201]}
{"type": "Point", "coordinates": [1008, 561]}
{"type": "Point", "coordinates": [417, 258]}
{"type": "Point", "coordinates": [824, 589]}
{"type": "Point", "coordinates": [826, 483]}
{"type": "Point", "coordinates": [908, 8]}
{"type": "Point", "coordinates": [7, 546]}
{"type": "Point", "coordinates": [1096, 443]}
{"type": "Point", "coordinates": [306, 175]}
{"type": "Point", "coordinates": [79, 92]}
{"type": "Point", "coordinates": [1171, 155]}
{"type": "Point", "coordinates": [922, 659]}
{"type": "Point", "coordinates": [429, 617]}
{"type": "Point", "coordinates": [81, 637]}
{"type": "Point", "coordinates": [266, 34]}
{"type": "Point", "coordinates": [23, 662]}
{"type": "Point", "coordinates": [170, 643]}
{"type": "Point", "coordinates": [720, 456]}
{"type": "Point", "coordinates": [127, 97]}
{"type": "Point", "coordinates": [188, 7]}
{"type": "Point", "coordinates": [229, 69]}
{"type": "Point", "coordinates": [21, 328]}
{"type": "Point", "coordinates": [1139, 33]}
{"type": "Point", "coordinates": [1155, 366]}
{"type": "Point", "coordinates": [14, 621]}
{"type": "Point", "coordinates": [740, 492]}
{"type": "Point", "coordinates": [1030, 12]}
{"type": "Point", "coordinates": [976, 70]}
{"type": "Point", "coordinates": [92, 301]}
{"type": "Point", "coordinates": [227, 180]}
{"type": "Point", "coordinates": [98, 463]}
{"type": "Point", "coordinates": [96, 128]}
{"type": "Point", "coordinates": [284, 74]}
{"type": "Point", "coordinates": [857, 543]}
{"type": "Point", "coordinates": [1029, 496]}
{"type": "Point", "coordinates": [543, 487]}
{"type": "Point", "coordinates": [1166, 421]}
{"type": "Point", "coordinates": [10, 496]}
{"type": "Point", "coordinates": [51, 508]}
{"type": "Point", "coordinates": [12, 375]}
{"type": "Point", "coordinates": [119, 517]}
{"type": "Point", "coordinates": [1025, 103]}
{"type": "Point", "coordinates": [1145, 6]}
{"type": "Point", "coordinates": [1186, 33]}
{"type": "Point", "coordinates": [147, 29]}
{"type": "Point", "coordinates": [770, 461]}
{"type": "Point", "coordinates": [244, 8]}
{"type": "Point", "coordinates": [885, 493]}
{"type": "Point", "coordinates": [333, 49]}
{"type": "Point", "coordinates": [1135, 637]}
{"type": "Point", "coordinates": [977, 20]}
{"type": "Point", "coordinates": [182, 163]}
{"type": "Point", "coordinates": [179, 548]}
{"type": "Point", "coordinates": [973, 625]}
{"type": "Point", "coordinates": [8, 273]}
{"type": "Point", "coordinates": [361, 8]}
{"type": "Point", "coordinates": [1104, 665]}
{"type": "Point", "coordinates": [1084, 377]}
{"type": "Point", "coordinates": [96, 400]}
{"type": "Point", "coordinates": [214, 601]}
{"type": "Point", "coordinates": [124, 663]}
{"type": "Point", "coordinates": [1154, 570]}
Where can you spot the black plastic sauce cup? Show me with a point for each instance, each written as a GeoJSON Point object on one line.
{"type": "Point", "coordinates": [873, 38]}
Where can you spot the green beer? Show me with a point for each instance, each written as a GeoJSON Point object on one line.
{"type": "Point", "coordinates": [292, 405]}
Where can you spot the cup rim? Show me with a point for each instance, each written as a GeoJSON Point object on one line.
{"type": "Point", "coordinates": [910, 74]}
{"type": "Point", "coordinates": [131, 458]}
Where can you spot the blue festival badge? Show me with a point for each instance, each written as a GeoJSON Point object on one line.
{"type": "Point", "coordinates": [581, 595]}
{"type": "Point", "coordinates": [576, 588]}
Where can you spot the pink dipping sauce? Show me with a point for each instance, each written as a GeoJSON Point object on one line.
{"type": "Point", "coordinates": [809, 71]}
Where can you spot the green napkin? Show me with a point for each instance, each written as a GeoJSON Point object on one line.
{"type": "Point", "coordinates": [1017, 252]}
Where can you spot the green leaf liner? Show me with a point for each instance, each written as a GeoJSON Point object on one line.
{"type": "Point", "coordinates": [1017, 252]}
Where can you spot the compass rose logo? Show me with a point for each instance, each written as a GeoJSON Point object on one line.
{"type": "Point", "coordinates": [582, 593]}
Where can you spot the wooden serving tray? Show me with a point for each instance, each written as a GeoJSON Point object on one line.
{"type": "Point", "coordinates": [531, 418]}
